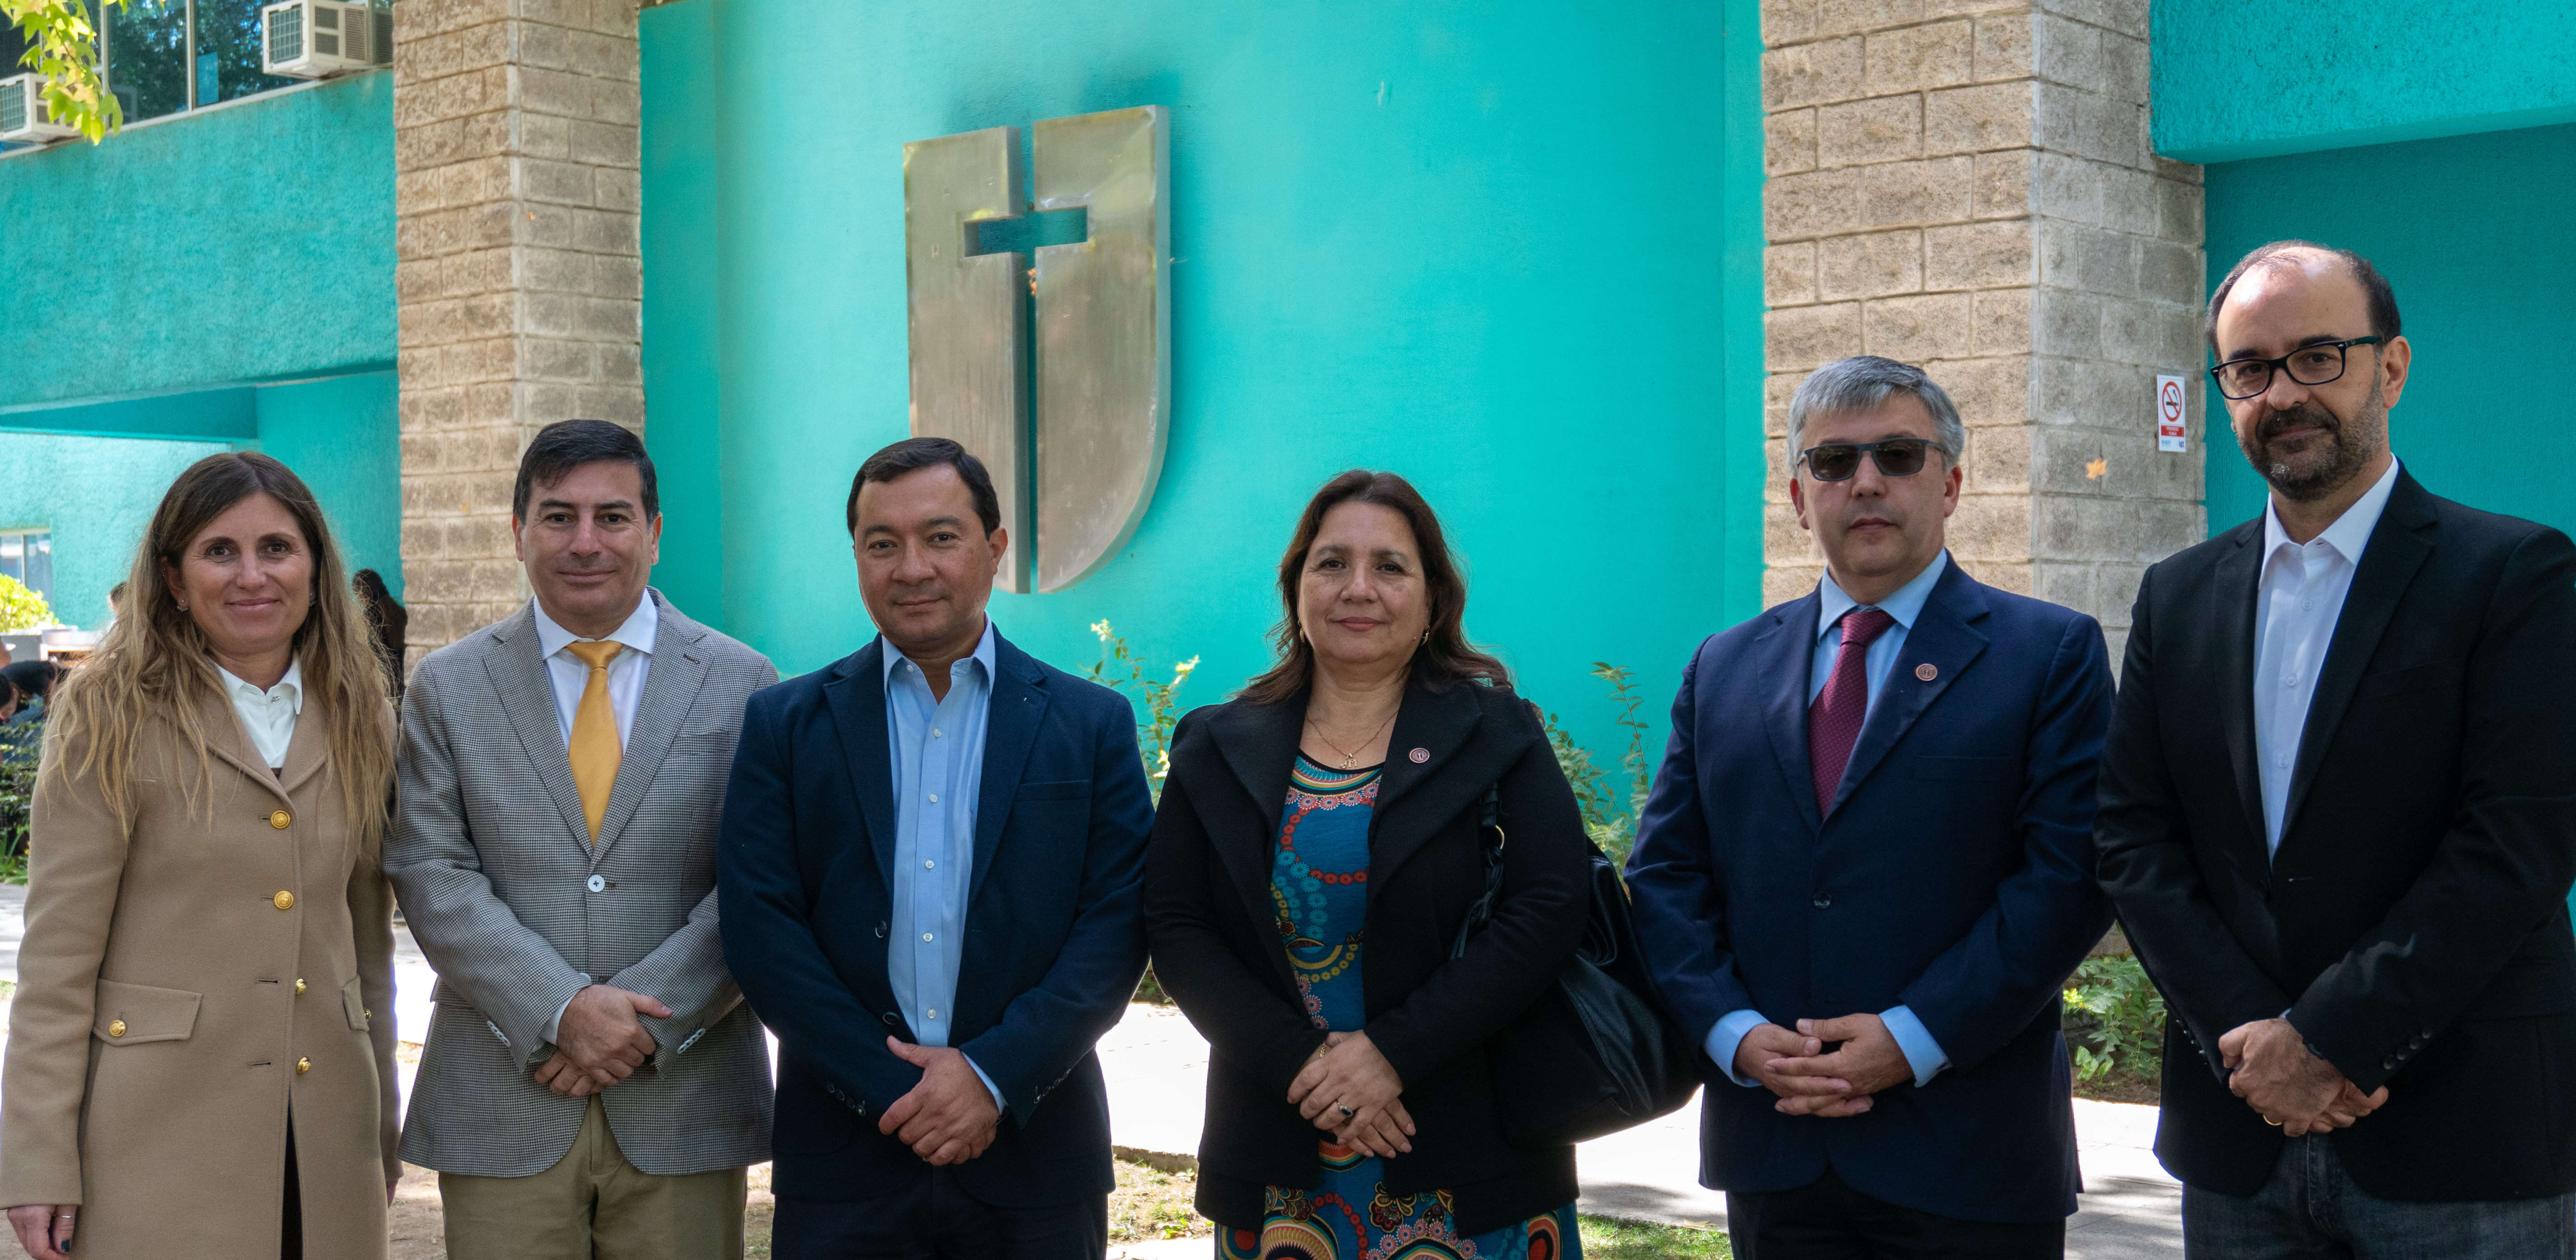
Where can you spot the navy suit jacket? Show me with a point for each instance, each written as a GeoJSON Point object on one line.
{"type": "Point", "coordinates": [1055, 933]}
{"type": "Point", "coordinates": [1954, 876]}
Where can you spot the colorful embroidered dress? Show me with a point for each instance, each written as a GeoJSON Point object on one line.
{"type": "Point", "coordinates": [1319, 887]}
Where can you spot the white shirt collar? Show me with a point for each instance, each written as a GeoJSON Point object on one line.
{"type": "Point", "coordinates": [291, 687]}
{"type": "Point", "coordinates": [982, 655]}
{"type": "Point", "coordinates": [1905, 605]}
{"type": "Point", "coordinates": [636, 634]}
{"type": "Point", "coordinates": [2350, 532]}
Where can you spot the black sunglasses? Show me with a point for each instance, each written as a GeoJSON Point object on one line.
{"type": "Point", "coordinates": [1839, 461]}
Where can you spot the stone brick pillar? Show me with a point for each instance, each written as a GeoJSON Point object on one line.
{"type": "Point", "coordinates": [1967, 185]}
{"type": "Point", "coordinates": [519, 277]}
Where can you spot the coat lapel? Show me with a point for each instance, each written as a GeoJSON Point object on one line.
{"type": "Point", "coordinates": [2398, 548]}
{"type": "Point", "coordinates": [1258, 741]}
{"type": "Point", "coordinates": [1438, 724]}
{"type": "Point", "coordinates": [2231, 609]}
{"type": "Point", "coordinates": [858, 701]}
{"type": "Point", "coordinates": [230, 743]}
{"type": "Point", "coordinates": [1017, 708]}
{"type": "Point", "coordinates": [1787, 655]}
{"type": "Point", "coordinates": [308, 751]}
{"type": "Point", "coordinates": [672, 679]}
{"type": "Point", "coordinates": [1944, 637]}
{"type": "Point", "coordinates": [518, 674]}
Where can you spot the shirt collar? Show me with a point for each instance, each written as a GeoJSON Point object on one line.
{"type": "Point", "coordinates": [636, 634]}
{"type": "Point", "coordinates": [982, 655]}
{"type": "Point", "coordinates": [291, 686]}
{"type": "Point", "coordinates": [2351, 531]}
{"type": "Point", "coordinates": [1905, 605]}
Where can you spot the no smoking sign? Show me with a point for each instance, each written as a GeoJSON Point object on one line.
{"type": "Point", "coordinates": [2169, 414]}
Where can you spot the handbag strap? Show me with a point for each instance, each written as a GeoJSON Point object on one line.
{"type": "Point", "coordinates": [1490, 832]}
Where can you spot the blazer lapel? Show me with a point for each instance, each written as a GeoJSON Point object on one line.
{"type": "Point", "coordinates": [858, 703]}
{"type": "Point", "coordinates": [2238, 575]}
{"type": "Point", "coordinates": [518, 677]}
{"type": "Point", "coordinates": [230, 743]}
{"type": "Point", "coordinates": [1258, 741]}
{"type": "Point", "coordinates": [1016, 708]}
{"type": "Point", "coordinates": [308, 750]}
{"type": "Point", "coordinates": [1437, 724]}
{"type": "Point", "coordinates": [1787, 655]}
{"type": "Point", "coordinates": [2396, 551]}
{"type": "Point", "coordinates": [1943, 637]}
{"type": "Point", "coordinates": [671, 682]}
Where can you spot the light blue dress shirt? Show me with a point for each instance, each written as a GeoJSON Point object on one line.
{"type": "Point", "coordinates": [1922, 1053]}
{"type": "Point", "coordinates": [938, 752]}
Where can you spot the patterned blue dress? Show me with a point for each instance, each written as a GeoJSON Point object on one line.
{"type": "Point", "coordinates": [1320, 889]}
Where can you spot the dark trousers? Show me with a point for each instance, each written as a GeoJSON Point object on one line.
{"type": "Point", "coordinates": [2311, 1209]}
{"type": "Point", "coordinates": [935, 1218]}
{"type": "Point", "coordinates": [1829, 1220]}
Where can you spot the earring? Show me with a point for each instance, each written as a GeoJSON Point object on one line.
{"type": "Point", "coordinates": [1426, 636]}
{"type": "Point", "coordinates": [183, 608]}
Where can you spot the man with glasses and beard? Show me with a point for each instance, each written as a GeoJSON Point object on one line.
{"type": "Point", "coordinates": [2338, 816]}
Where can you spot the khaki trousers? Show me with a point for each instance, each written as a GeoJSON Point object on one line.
{"type": "Point", "coordinates": [593, 1205]}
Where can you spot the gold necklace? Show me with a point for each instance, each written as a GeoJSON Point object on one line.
{"type": "Point", "coordinates": [1350, 760]}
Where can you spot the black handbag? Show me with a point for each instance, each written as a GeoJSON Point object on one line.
{"type": "Point", "coordinates": [1597, 1052]}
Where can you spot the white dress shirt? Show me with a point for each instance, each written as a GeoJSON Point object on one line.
{"type": "Point", "coordinates": [268, 715]}
{"type": "Point", "coordinates": [625, 672]}
{"type": "Point", "coordinates": [2296, 605]}
{"type": "Point", "coordinates": [568, 676]}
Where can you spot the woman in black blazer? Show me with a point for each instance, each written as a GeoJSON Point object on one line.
{"type": "Point", "coordinates": [1330, 811]}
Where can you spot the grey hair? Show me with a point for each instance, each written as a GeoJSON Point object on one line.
{"type": "Point", "coordinates": [1861, 383]}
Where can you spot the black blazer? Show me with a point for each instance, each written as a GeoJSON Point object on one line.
{"type": "Point", "coordinates": [2414, 921]}
{"type": "Point", "coordinates": [1217, 949]}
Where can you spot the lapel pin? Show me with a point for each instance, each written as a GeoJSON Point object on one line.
{"type": "Point", "coordinates": [1927, 671]}
{"type": "Point", "coordinates": [1419, 755]}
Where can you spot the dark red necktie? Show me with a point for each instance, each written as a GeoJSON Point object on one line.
{"type": "Point", "coordinates": [1833, 721]}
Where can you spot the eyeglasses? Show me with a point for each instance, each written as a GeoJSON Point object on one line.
{"type": "Point", "coordinates": [2319, 364]}
{"type": "Point", "coordinates": [1838, 461]}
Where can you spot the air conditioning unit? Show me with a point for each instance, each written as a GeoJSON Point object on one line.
{"type": "Point", "coordinates": [315, 39]}
{"type": "Point", "coordinates": [23, 116]}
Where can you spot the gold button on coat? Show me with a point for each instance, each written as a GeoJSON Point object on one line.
{"type": "Point", "coordinates": [303, 1066]}
{"type": "Point", "coordinates": [279, 819]}
{"type": "Point", "coordinates": [299, 988]}
{"type": "Point", "coordinates": [284, 900]}
{"type": "Point", "coordinates": [116, 1028]}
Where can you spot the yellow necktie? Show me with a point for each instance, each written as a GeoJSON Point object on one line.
{"type": "Point", "coordinates": [595, 751]}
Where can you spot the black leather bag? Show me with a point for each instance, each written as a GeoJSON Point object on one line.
{"type": "Point", "coordinates": [1597, 1052]}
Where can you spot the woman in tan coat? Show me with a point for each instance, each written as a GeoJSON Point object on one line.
{"type": "Point", "coordinates": [201, 1057]}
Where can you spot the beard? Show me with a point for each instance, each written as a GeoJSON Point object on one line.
{"type": "Point", "coordinates": [2332, 457]}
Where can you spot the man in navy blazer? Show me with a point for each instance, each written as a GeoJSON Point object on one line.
{"type": "Point", "coordinates": [931, 865]}
{"type": "Point", "coordinates": [1866, 869]}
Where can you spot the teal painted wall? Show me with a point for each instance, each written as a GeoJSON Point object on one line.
{"type": "Point", "coordinates": [2471, 278]}
{"type": "Point", "coordinates": [343, 436]}
{"type": "Point", "coordinates": [1509, 250]}
{"type": "Point", "coordinates": [96, 495]}
{"type": "Point", "coordinates": [679, 216]}
{"type": "Point", "coordinates": [250, 242]}
{"type": "Point", "coordinates": [2261, 78]}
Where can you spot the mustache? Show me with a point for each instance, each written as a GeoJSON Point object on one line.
{"type": "Point", "coordinates": [2302, 415]}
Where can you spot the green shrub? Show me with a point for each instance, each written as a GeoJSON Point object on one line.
{"type": "Point", "coordinates": [2119, 1025]}
{"type": "Point", "coordinates": [20, 608]}
{"type": "Point", "coordinates": [1154, 731]}
{"type": "Point", "coordinates": [1608, 814]}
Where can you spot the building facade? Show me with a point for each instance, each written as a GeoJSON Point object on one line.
{"type": "Point", "coordinates": [1560, 265]}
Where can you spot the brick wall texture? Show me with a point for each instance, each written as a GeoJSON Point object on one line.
{"type": "Point", "coordinates": [518, 271]}
{"type": "Point", "coordinates": [1968, 186]}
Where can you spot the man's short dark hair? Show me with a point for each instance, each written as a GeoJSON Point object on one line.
{"type": "Point", "coordinates": [565, 445]}
{"type": "Point", "coordinates": [911, 455]}
{"type": "Point", "coordinates": [2382, 299]}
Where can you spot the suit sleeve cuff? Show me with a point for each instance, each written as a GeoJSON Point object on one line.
{"type": "Point", "coordinates": [998, 1103]}
{"type": "Point", "coordinates": [1729, 1033]}
{"type": "Point", "coordinates": [1922, 1053]}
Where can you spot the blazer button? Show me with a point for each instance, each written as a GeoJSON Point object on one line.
{"type": "Point", "coordinates": [597, 884]}
{"type": "Point", "coordinates": [116, 1028]}
{"type": "Point", "coordinates": [280, 819]}
{"type": "Point", "coordinates": [2389, 1064]}
{"type": "Point", "coordinates": [299, 987]}
{"type": "Point", "coordinates": [303, 1066]}
{"type": "Point", "coordinates": [284, 900]}
{"type": "Point", "coordinates": [1823, 901]}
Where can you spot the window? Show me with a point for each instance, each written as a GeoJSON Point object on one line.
{"type": "Point", "coordinates": [154, 68]}
{"type": "Point", "coordinates": [28, 555]}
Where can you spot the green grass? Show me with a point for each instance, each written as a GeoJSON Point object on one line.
{"type": "Point", "coordinates": [1606, 1239]}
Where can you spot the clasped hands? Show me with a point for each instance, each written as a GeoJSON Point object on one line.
{"type": "Point", "coordinates": [598, 1041]}
{"type": "Point", "coordinates": [1349, 1090]}
{"type": "Point", "coordinates": [2269, 1066]}
{"type": "Point", "coordinates": [949, 1117]}
{"type": "Point", "coordinates": [1809, 1081]}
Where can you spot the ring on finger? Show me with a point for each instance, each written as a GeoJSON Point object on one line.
{"type": "Point", "coordinates": [1347, 1113]}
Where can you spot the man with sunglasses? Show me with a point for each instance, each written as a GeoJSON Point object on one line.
{"type": "Point", "coordinates": [1865, 870]}
{"type": "Point", "coordinates": [2339, 819]}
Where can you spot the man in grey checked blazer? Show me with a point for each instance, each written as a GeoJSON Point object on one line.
{"type": "Point", "coordinates": [593, 1081]}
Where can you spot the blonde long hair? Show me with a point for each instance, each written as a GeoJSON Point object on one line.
{"type": "Point", "coordinates": [156, 663]}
